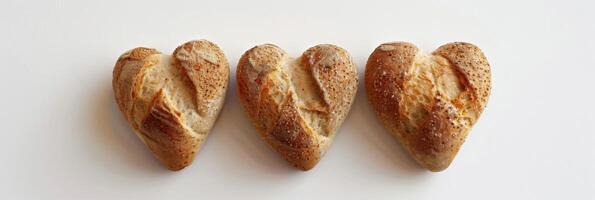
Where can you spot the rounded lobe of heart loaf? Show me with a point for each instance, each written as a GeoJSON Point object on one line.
{"type": "Point", "coordinates": [297, 104]}
{"type": "Point", "coordinates": [429, 102]}
{"type": "Point", "coordinates": [172, 102]}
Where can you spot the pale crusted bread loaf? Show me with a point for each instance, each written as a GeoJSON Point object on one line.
{"type": "Point", "coordinates": [429, 102]}
{"type": "Point", "coordinates": [297, 104]}
{"type": "Point", "coordinates": [172, 102]}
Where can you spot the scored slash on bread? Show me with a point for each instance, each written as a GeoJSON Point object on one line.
{"type": "Point", "coordinates": [172, 102]}
{"type": "Point", "coordinates": [297, 104]}
{"type": "Point", "coordinates": [428, 102]}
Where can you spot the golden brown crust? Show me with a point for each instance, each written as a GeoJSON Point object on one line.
{"type": "Point", "coordinates": [385, 74]}
{"type": "Point", "coordinates": [430, 102]}
{"type": "Point", "coordinates": [297, 104]}
{"type": "Point", "coordinates": [207, 68]}
{"type": "Point", "coordinates": [164, 133]}
{"type": "Point", "coordinates": [172, 101]}
{"type": "Point", "coordinates": [134, 61]}
{"type": "Point", "coordinates": [473, 65]}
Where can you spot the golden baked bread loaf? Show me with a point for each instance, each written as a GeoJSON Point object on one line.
{"type": "Point", "coordinates": [172, 102]}
{"type": "Point", "coordinates": [428, 102]}
{"type": "Point", "coordinates": [297, 104]}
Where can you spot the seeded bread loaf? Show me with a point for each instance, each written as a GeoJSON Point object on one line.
{"type": "Point", "coordinates": [172, 102]}
{"type": "Point", "coordinates": [428, 102]}
{"type": "Point", "coordinates": [297, 104]}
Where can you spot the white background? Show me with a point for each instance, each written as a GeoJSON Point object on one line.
{"type": "Point", "coordinates": [63, 137]}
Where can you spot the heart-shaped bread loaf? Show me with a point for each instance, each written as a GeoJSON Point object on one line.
{"type": "Point", "coordinates": [428, 102]}
{"type": "Point", "coordinates": [172, 102]}
{"type": "Point", "coordinates": [297, 104]}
